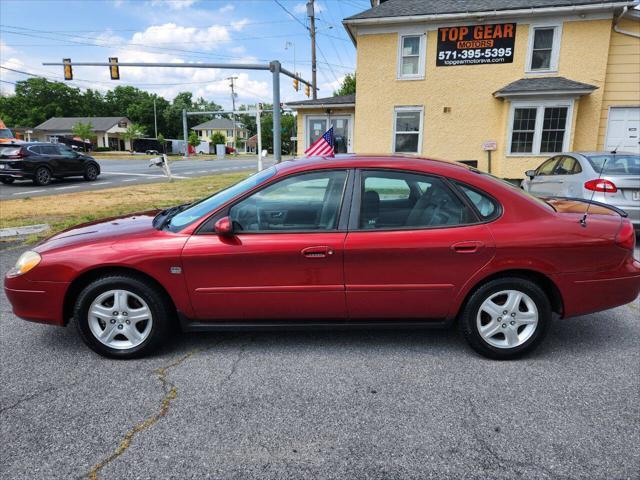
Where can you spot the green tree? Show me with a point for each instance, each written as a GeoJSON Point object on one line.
{"type": "Point", "coordinates": [163, 142]}
{"type": "Point", "coordinates": [84, 131]}
{"type": "Point", "coordinates": [133, 132]}
{"type": "Point", "coordinates": [218, 138]}
{"type": "Point", "coordinates": [348, 86]}
{"type": "Point", "coordinates": [194, 140]}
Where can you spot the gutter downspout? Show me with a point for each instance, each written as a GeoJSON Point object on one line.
{"type": "Point", "coordinates": [619, 30]}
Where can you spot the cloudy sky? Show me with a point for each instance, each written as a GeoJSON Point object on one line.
{"type": "Point", "coordinates": [244, 31]}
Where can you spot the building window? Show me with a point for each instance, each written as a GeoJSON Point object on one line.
{"type": "Point", "coordinates": [407, 129]}
{"type": "Point", "coordinates": [524, 128]}
{"type": "Point", "coordinates": [411, 57]}
{"type": "Point", "coordinates": [229, 133]}
{"type": "Point", "coordinates": [544, 49]}
{"type": "Point", "coordinates": [539, 129]}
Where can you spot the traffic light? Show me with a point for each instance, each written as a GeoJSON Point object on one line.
{"type": "Point", "coordinates": [307, 90]}
{"type": "Point", "coordinates": [114, 70]}
{"type": "Point", "coordinates": [68, 71]}
{"type": "Point", "coordinates": [295, 84]}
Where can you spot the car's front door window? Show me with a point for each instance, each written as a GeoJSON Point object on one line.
{"type": "Point", "coordinates": [307, 202]}
{"type": "Point", "coordinates": [547, 167]}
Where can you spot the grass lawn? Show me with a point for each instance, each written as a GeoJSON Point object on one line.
{"type": "Point", "coordinates": [64, 211]}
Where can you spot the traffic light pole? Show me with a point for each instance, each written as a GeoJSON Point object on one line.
{"type": "Point", "coordinates": [274, 67]}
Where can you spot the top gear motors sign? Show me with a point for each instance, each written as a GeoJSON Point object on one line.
{"type": "Point", "coordinates": [476, 44]}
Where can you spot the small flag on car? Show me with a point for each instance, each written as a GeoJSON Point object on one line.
{"type": "Point", "coordinates": [323, 146]}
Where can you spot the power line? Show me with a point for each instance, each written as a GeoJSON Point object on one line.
{"type": "Point", "coordinates": [291, 14]}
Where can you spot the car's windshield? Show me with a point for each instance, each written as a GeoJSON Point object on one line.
{"type": "Point", "coordinates": [615, 164]}
{"type": "Point", "coordinates": [203, 207]}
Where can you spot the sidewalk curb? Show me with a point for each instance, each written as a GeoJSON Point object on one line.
{"type": "Point", "coordinates": [23, 231]}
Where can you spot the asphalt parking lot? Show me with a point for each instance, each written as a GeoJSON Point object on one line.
{"type": "Point", "coordinates": [121, 173]}
{"type": "Point", "coordinates": [322, 405]}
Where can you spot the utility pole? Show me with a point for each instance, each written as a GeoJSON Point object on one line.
{"type": "Point", "coordinates": [259, 133]}
{"type": "Point", "coordinates": [185, 132]}
{"type": "Point", "coordinates": [312, 32]}
{"type": "Point", "coordinates": [233, 103]}
{"type": "Point", "coordinates": [155, 118]}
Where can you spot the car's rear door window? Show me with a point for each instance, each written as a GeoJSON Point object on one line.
{"type": "Point", "coordinates": [405, 200]}
{"type": "Point", "coordinates": [305, 202]}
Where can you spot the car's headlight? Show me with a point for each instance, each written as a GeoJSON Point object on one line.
{"type": "Point", "coordinates": [27, 262]}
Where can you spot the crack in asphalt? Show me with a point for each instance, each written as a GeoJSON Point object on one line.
{"type": "Point", "coordinates": [499, 459]}
{"type": "Point", "coordinates": [170, 393]}
{"type": "Point", "coordinates": [37, 394]}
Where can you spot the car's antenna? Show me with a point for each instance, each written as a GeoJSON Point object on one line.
{"type": "Point", "coordinates": [583, 220]}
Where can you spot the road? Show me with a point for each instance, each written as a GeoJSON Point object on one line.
{"type": "Point", "coordinates": [322, 405]}
{"type": "Point", "coordinates": [120, 173]}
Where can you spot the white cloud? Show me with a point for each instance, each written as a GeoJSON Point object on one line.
{"type": "Point", "coordinates": [173, 4]}
{"type": "Point", "coordinates": [227, 8]}
{"type": "Point", "coordinates": [239, 25]}
{"type": "Point", "coordinates": [169, 33]}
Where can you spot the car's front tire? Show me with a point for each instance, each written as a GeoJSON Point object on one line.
{"type": "Point", "coordinates": [42, 176]}
{"type": "Point", "coordinates": [122, 316]}
{"type": "Point", "coordinates": [91, 173]}
{"type": "Point", "coordinates": [506, 318]}
{"type": "Point", "coordinates": [7, 180]}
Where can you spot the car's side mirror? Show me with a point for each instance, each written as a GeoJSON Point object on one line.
{"type": "Point", "coordinates": [224, 227]}
{"type": "Point", "coordinates": [531, 174]}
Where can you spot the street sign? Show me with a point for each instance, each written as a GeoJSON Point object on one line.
{"type": "Point", "coordinates": [489, 145]}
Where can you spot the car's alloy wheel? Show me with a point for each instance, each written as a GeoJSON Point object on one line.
{"type": "Point", "coordinates": [42, 176]}
{"type": "Point", "coordinates": [506, 317]}
{"type": "Point", "coordinates": [123, 316]}
{"type": "Point", "coordinates": [120, 319]}
{"type": "Point", "coordinates": [91, 173]}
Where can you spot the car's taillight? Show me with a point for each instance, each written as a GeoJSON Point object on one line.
{"type": "Point", "coordinates": [626, 237]}
{"type": "Point", "coordinates": [601, 185]}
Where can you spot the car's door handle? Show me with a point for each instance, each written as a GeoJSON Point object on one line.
{"type": "Point", "coordinates": [317, 252]}
{"type": "Point", "coordinates": [467, 247]}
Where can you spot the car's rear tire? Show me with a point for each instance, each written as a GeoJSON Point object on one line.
{"type": "Point", "coordinates": [506, 318]}
{"type": "Point", "coordinates": [7, 180]}
{"type": "Point", "coordinates": [91, 173]}
{"type": "Point", "coordinates": [42, 176]}
{"type": "Point", "coordinates": [122, 316]}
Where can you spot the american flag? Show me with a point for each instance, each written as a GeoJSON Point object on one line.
{"type": "Point", "coordinates": [323, 146]}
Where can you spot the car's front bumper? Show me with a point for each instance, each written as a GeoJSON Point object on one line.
{"type": "Point", "coordinates": [41, 302]}
{"type": "Point", "coordinates": [588, 293]}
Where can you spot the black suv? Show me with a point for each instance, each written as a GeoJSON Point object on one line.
{"type": "Point", "coordinates": [42, 162]}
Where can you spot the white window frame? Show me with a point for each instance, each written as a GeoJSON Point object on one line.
{"type": "Point", "coordinates": [408, 108]}
{"type": "Point", "coordinates": [555, 47]}
{"type": "Point", "coordinates": [540, 105]}
{"type": "Point", "coordinates": [422, 54]}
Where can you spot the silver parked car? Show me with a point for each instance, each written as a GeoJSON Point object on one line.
{"type": "Point", "coordinates": [611, 178]}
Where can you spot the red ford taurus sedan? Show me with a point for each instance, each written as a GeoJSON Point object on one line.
{"type": "Point", "coordinates": [354, 241]}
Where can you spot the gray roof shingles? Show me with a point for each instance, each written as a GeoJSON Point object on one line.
{"type": "Point", "coordinates": [543, 85]}
{"type": "Point", "coordinates": [338, 100]}
{"type": "Point", "coordinates": [217, 124]}
{"type": "Point", "coordinates": [401, 8]}
{"type": "Point", "coordinates": [66, 124]}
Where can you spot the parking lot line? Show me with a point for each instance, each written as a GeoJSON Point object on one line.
{"type": "Point", "coordinates": [130, 180]}
{"type": "Point", "coordinates": [67, 188]}
{"type": "Point", "coordinates": [101, 183]}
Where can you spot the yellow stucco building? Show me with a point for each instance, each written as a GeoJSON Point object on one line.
{"type": "Point", "coordinates": [522, 79]}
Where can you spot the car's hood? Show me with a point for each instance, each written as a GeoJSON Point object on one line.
{"type": "Point", "coordinates": [105, 230]}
